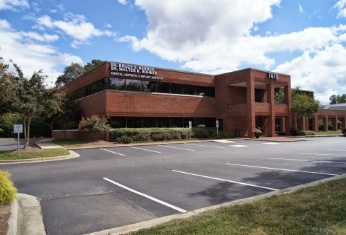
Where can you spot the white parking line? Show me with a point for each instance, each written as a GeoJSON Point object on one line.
{"type": "Point", "coordinates": [223, 141]}
{"type": "Point", "coordinates": [305, 160]}
{"type": "Point", "coordinates": [146, 196]}
{"type": "Point", "coordinates": [337, 150]}
{"type": "Point", "coordinates": [281, 169]}
{"type": "Point", "coordinates": [224, 180]}
{"type": "Point", "coordinates": [207, 146]}
{"type": "Point", "coordinates": [147, 150]}
{"type": "Point", "coordinates": [113, 152]}
{"type": "Point", "coordinates": [323, 154]}
{"type": "Point", "coordinates": [239, 145]}
{"type": "Point", "coordinates": [176, 148]}
{"type": "Point", "coordinates": [271, 143]}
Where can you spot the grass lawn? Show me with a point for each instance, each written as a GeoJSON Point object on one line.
{"type": "Point", "coordinates": [338, 132]}
{"type": "Point", "coordinates": [316, 210]}
{"type": "Point", "coordinates": [31, 155]}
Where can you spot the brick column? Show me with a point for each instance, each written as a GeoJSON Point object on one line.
{"type": "Point", "coordinates": [250, 95]}
{"type": "Point", "coordinates": [303, 124]}
{"type": "Point", "coordinates": [344, 122]}
{"type": "Point", "coordinates": [288, 119]}
{"type": "Point", "coordinates": [271, 119]}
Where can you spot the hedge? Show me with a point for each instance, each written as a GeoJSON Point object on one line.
{"type": "Point", "coordinates": [127, 135]}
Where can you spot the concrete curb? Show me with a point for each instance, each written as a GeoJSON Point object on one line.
{"type": "Point", "coordinates": [26, 216]}
{"type": "Point", "coordinates": [38, 160]}
{"type": "Point", "coordinates": [147, 224]}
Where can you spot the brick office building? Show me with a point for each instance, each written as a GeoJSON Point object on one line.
{"type": "Point", "coordinates": [141, 96]}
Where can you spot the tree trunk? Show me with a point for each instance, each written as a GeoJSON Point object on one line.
{"type": "Point", "coordinates": [27, 122]}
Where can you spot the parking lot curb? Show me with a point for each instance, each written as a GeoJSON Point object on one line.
{"type": "Point", "coordinates": [26, 216]}
{"type": "Point", "coordinates": [154, 222]}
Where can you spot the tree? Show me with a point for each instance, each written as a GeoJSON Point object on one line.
{"type": "Point", "coordinates": [303, 104]}
{"type": "Point", "coordinates": [94, 124]}
{"type": "Point", "coordinates": [30, 97]}
{"type": "Point", "coordinates": [71, 72]}
{"type": "Point", "coordinates": [338, 99]}
{"type": "Point", "coordinates": [93, 64]}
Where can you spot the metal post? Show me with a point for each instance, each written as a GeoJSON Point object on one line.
{"type": "Point", "coordinates": [17, 144]}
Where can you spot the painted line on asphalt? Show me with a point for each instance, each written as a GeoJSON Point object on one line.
{"type": "Point", "coordinates": [192, 150]}
{"type": "Point", "coordinates": [271, 143]}
{"type": "Point", "coordinates": [199, 145]}
{"type": "Point", "coordinates": [225, 180]}
{"type": "Point", "coordinates": [113, 152]}
{"type": "Point", "coordinates": [305, 160]}
{"type": "Point", "coordinates": [223, 141]}
{"type": "Point", "coordinates": [337, 150]}
{"type": "Point", "coordinates": [146, 196]}
{"type": "Point", "coordinates": [239, 146]}
{"type": "Point", "coordinates": [282, 169]}
{"type": "Point", "coordinates": [153, 151]}
{"type": "Point", "coordinates": [323, 154]}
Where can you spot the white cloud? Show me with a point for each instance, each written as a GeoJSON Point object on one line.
{"type": "Point", "coordinates": [123, 2]}
{"type": "Point", "coordinates": [32, 52]}
{"type": "Point", "coordinates": [203, 35]}
{"type": "Point", "coordinates": [301, 10]}
{"type": "Point", "coordinates": [13, 4]}
{"type": "Point", "coordinates": [75, 26]}
{"type": "Point", "coordinates": [323, 72]}
{"type": "Point", "coordinates": [341, 7]}
{"type": "Point", "coordinates": [220, 36]}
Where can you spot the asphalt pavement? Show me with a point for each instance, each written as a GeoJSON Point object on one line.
{"type": "Point", "coordinates": [112, 187]}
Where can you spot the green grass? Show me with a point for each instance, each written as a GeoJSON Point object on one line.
{"type": "Point", "coordinates": [315, 210]}
{"type": "Point", "coordinates": [67, 142]}
{"type": "Point", "coordinates": [338, 132]}
{"type": "Point", "coordinates": [31, 155]}
{"type": "Point", "coordinates": [8, 191]}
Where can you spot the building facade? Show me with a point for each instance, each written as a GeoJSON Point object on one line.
{"type": "Point", "coordinates": [142, 96]}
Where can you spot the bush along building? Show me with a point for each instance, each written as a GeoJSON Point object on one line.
{"type": "Point", "coordinates": [136, 96]}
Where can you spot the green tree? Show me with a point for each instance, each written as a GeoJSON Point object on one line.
{"type": "Point", "coordinates": [93, 64]}
{"type": "Point", "coordinates": [30, 97]}
{"type": "Point", "coordinates": [338, 99]}
{"type": "Point", "coordinates": [71, 72]}
{"type": "Point", "coordinates": [303, 104]}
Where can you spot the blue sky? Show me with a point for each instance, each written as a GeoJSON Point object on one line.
{"type": "Point", "coordinates": [303, 38]}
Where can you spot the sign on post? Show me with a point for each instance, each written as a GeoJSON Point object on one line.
{"type": "Point", "coordinates": [18, 128]}
{"type": "Point", "coordinates": [217, 127]}
{"type": "Point", "coordinates": [190, 127]}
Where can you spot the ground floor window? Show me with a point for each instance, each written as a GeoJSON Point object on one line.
{"type": "Point", "coordinates": [142, 122]}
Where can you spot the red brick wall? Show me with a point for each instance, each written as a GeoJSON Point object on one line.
{"type": "Point", "coordinates": [117, 103]}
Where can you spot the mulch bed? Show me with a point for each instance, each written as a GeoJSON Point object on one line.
{"type": "Point", "coordinates": [5, 212]}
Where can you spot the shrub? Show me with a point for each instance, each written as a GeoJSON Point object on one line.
{"type": "Point", "coordinates": [221, 135]}
{"type": "Point", "coordinates": [124, 139]}
{"type": "Point", "coordinates": [8, 191]}
{"type": "Point", "coordinates": [141, 137]}
{"type": "Point", "coordinates": [200, 133]}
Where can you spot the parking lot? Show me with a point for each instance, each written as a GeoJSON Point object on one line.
{"type": "Point", "coordinates": [111, 187]}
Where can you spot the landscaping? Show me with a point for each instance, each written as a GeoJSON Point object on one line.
{"type": "Point", "coordinates": [8, 193]}
{"type": "Point", "coordinates": [12, 155]}
{"type": "Point", "coordinates": [315, 210]}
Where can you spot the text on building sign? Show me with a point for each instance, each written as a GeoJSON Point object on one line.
{"type": "Point", "coordinates": [274, 76]}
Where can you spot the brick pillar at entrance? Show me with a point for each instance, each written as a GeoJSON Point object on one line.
{"type": "Point", "coordinates": [334, 124]}
{"type": "Point", "coordinates": [271, 118]}
{"type": "Point", "coordinates": [250, 95]}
